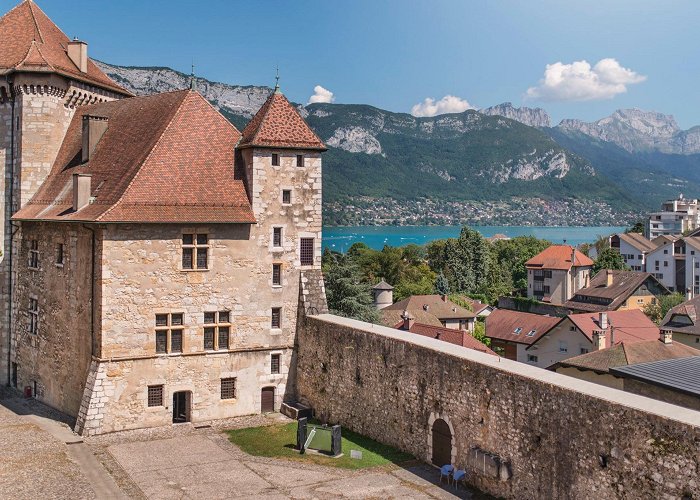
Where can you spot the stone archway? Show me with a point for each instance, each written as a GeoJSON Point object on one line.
{"type": "Point", "coordinates": [441, 440]}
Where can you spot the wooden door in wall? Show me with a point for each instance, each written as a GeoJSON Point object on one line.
{"type": "Point", "coordinates": [442, 443]}
{"type": "Point", "coordinates": [267, 399]}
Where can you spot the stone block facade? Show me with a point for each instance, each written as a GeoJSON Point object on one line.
{"type": "Point", "coordinates": [546, 435]}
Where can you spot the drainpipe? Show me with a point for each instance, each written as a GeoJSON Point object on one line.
{"type": "Point", "coordinates": [13, 125]}
{"type": "Point", "coordinates": [92, 291]}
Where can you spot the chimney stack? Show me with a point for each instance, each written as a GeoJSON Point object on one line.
{"type": "Point", "coordinates": [408, 320]}
{"type": "Point", "coordinates": [598, 340]}
{"type": "Point", "coordinates": [77, 52]}
{"type": "Point", "coordinates": [94, 128]}
{"type": "Point", "coordinates": [81, 191]}
{"type": "Point", "coordinates": [666, 336]}
{"type": "Point", "coordinates": [603, 320]}
{"type": "Point", "coordinates": [608, 277]}
{"type": "Point", "coordinates": [444, 297]}
{"type": "Point", "coordinates": [573, 256]}
{"type": "Point", "coordinates": [688, 293]}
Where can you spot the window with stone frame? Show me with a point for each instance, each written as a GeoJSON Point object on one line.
{"type": "Point", "coordinates": [169, 333]}
{"type": "Point", "coordinates": [155, 395]}
{"type": "Point", "coordinates": [228, 388]}
{"type": "Point", "coordinates": [300, 160]}
{"type": "Point", "coordinates": [277, 274]}
{"type": "Point", "coordinates": [286, 197]}
{"type": "Point", "coordinates": [33, 315]}
{"type": "Point", "coordinates": [60, 257]}
{"type": "Point", "coordinates": [275, 363]}
{"type": "Point", "coordinates": [276, 320]}
{"type": "Point", "coordinates": [306, 251]}
{"type": "Point", "coordinates": [276, 236]}
{"type": "Point", "coordinates": [33, 254]}
{"type": "Point", "coordinates": [275, 160]}
{"type": "Point", "coordinates": [217, 330]}
{"type": "Point", "coordinates": [195, 251]}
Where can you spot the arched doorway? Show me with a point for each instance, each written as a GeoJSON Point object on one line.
{"type": "Point", "coordinates": [442, 443]}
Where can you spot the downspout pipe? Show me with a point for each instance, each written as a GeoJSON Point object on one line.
{"type": "Point", "coordinates": [92, 290]}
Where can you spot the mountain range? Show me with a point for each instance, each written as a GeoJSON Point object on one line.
{"type": "Point", "coordinates": [623, 165]}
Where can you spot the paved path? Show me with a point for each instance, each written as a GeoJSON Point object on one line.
{"type": "Point", "coordinates": [204, 464]}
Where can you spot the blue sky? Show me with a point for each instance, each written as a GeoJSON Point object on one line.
{"type": "Point", "coordinates": [395, 54]}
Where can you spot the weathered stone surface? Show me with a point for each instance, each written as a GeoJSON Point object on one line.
{"type": "Point", "coordinates": [558, 437]}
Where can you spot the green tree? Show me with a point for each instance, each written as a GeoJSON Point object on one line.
{"type": "Point", "coordinates": [479, 334]}
{"type": "Point", "coordinates": [637, 227]}
{"type": "Point", "coordinates": [415, 280]}
{"type": "Point", "coordinates": [442, 286]}
{"type": "Point", "coordinates": [609, 259]}
{"type": "Point", "coordinates": [657, 311]}
{"type": "Point", "coordinates": [347, 293]}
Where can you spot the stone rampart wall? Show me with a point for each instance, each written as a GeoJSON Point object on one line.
{"type": "Point", "coordinates": [534, 433]}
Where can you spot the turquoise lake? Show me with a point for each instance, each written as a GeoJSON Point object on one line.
{"type": "Point", "coordinates": [341, 238]}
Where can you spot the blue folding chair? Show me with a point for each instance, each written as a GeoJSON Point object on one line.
{"type": "Point", "coordinates": [459, 476]}
{"type": "Point", "coordinates": [446, 472]}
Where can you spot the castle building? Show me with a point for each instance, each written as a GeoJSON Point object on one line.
{"type": "Point", "coordinates": [158, 256]}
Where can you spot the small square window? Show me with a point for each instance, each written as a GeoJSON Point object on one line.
{"type": "Point", "coordinates": [224, 316]}
{"type": "Point", "coordinates": [187, 239]}
{"type": "Point", "coordinates": [209, 318]}
{"type": "Point", "coordinates": [276, 236]}
{"type": "Point", "coordinates": [274, 363]}
{"type": "Point", "coordinates": [176, 319]}
{"type": "Point", "coordinates": [286, 197]}
{"type": "Point", "coordinates": [275, 160]}
{"type": "Point", "coordinates": [300, 160]}
{"type": "Point", "coordinates": [59, 254]}
{"type": "Point", "coordinates": [202, 239]}
{"type": "Point", "coordinates": [155, 395]}
{"type": "Point", "coordinates": [531, 358]}
{"type": "Point", "coordinates": [277, 274]}
{"type": "Point", "coordinates": [161, 320]}
{"type": "Point", "coordinates": [228, 388]}
{"type": "Point", "coordinates": [276, 317]}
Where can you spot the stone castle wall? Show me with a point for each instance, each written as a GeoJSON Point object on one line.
{"type": "Point", "coordinates": [523, 432]}
{"type": "Point", "coordinates": [58, 357]}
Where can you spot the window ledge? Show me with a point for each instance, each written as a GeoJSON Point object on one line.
{"type": "Point", "coordinates": [59, 265]}
{"type": "Point", "coordinates": [276, 286]}
{"type": "Point", "coordinates": [194, 270]}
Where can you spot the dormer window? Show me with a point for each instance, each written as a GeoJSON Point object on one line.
{"type": "Point", "coordinates": [275, 160]}
{"type": "Point", "coordinates": [300, 160]}
{"type": "Point", "coordinates": [517, 331]}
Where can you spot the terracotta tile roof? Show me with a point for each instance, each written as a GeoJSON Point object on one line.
{"type": "Point", "coordinates": [597, 296]}
{"type": "Point", "coordinates": [32, 42]}
{"type": "Point", "coordinates": [163, 158]}
{"type": "Point", "coordinates": [457, 337]}
{"type": "Point", "coordinates": [433, 304]}
{"type": "Point", "coordinates": [278, 124]}
{"type": "Point", "coordinates": [558, 257]}
{"type": "Point", "coordinates": [503, 324]}
{"type": "Point", "coordinates": [630, 325]}
{"type": "Point", "coordinates": [683, 318]}
{"type": "Point", "coordinates": [392, 317]}
{"type": "Point", "coordinates": [626, 353]}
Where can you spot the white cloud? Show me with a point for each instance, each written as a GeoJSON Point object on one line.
{"type": "Point", "coordinates": [448, 104]}
{"type": "Point", "coordinates": [579, 81]}
{"type": "Point", "coordinates": [321, 95]}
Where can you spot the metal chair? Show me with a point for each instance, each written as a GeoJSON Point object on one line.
{"type": "Point", "coordinates": [446, 472]}
{"type": "Point", "coordinates": [459, 476]}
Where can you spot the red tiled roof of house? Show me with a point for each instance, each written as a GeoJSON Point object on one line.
{"type": "Point", "coordinates": [599, 296]}
{"type": "Point", "coordinates": [278, 124]}
{"type": "Point", "coordinates": [163, 158]}
{"type": "Point", "coordinates": [458, 337]}
{"type": "Point", "coordinates": [630, 325]}
{"type": "Point", "coordinates": [558, 257]}
{"type": "Point", "coordinates": [504, 323]}
{"type": "Point", "coordinates": [628, 353]}
{"type": "Point", "coordinates": [32, 42]}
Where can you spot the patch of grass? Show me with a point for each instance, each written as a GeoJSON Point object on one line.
{"type": "Point", "coordinates": [280, 441]}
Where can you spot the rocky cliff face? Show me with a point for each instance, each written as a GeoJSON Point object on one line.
{"type": "Point", "coordinates": [236, 99]}
{"type": "Point", "coordinates": [639, 131]}
{"type": "Point", "coordinates": [534, 117]}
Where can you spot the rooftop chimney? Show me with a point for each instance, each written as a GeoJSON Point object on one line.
{"type": "Point", "coordinates": [81, 191]}
{"type": "Point", "coordinates": [77, 52]}
{"type": "Point", "coordinates": [598, 340]}
{"type": "Point", "coordinates": [444, 297]}
{"type": "Point", "coordinates": [408, 320]}
{"type": "Point", "coordinates": [608, 277]}
{"type": "Point", "coordinates": [603, 320]}
{"type": "Point", "coordinates": [94, 128]}
{"type": "Point", "coordinates": [573, 256]}
{"type": "Point", "coordinates": [688, 293]}
{"type": "Point", "coordinates": [666, 336]}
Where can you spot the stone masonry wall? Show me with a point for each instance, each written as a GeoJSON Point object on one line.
{"type": "Point", "coordinates": [556, 437]}
{"type": "Point", "coordinates": [58, 357]}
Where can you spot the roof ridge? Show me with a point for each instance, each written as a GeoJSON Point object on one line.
{"type": "Point", "coordinates": [266, 111]}
{"type": "Point", "coordinates": [34, 44]}
{"type": "Point", "coordinates": [216, 110]}
{"type": "Point", "coordinates": [150, 153]}
{"type": "Point", "coordinates": [302, 119]}
{"type": "Point", "coordinates": [36, 23]}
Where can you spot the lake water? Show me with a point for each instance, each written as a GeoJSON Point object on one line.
{"type": "Point", "coordinates": [341, 238]}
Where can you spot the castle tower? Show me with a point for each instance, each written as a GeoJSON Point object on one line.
{"type": "Point", "coordinates": [44, 77]}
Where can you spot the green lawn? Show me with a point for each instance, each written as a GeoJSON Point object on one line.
{"type": "Point", "coordinates": [280, 441]}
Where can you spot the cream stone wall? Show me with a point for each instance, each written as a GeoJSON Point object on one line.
{"type": "Point", "coordinates": [590, 376]}
{"type": "Point", "coordinates": [58, 357]}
